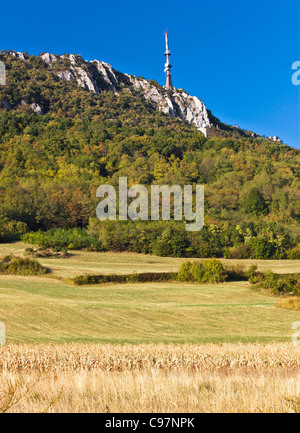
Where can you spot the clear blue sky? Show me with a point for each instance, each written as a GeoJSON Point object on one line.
{"type": "Point", "coordinates": [234, 55]}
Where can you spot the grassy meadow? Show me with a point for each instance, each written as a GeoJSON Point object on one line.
{"type": "Point", "coordinates": [39, 309]}
{"type": "Point", "coordinates": [48, 309]}
{"type": "Point", "coordinates": [140, 347]}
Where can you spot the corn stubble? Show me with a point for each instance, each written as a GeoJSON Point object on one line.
{"type": "Point", "coordinates": [150, 378]}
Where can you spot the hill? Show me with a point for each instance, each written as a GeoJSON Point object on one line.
{"type": "Point", "coordinates": [67, 126]}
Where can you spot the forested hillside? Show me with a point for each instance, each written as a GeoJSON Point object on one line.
{"type": "Point", "coordinates": [59, 142]}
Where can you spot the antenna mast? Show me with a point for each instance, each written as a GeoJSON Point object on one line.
{"type": "Point", "coordinates": [168, 66]}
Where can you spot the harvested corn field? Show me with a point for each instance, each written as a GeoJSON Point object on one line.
{"type": "Point", "coordinates": [150, 378]}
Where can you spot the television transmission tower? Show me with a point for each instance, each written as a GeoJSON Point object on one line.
{"type": "Point", "coordinates": [168, 66]}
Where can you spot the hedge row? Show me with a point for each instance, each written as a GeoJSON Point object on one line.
{"type": "Point", "coordinates": [144, 277]}
{"type": "Point", "coordinates": [278, 284]}
{"type": "Point", "coordinates": [207, 271]}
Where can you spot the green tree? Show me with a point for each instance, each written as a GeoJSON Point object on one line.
{"type": "Point", "coordinates": [255, 203]}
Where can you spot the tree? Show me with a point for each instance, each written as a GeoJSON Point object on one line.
{"type": "Point", "coordinates": [255, 203]}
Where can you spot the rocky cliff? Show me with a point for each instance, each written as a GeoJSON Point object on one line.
{"type": "Point", "coordinates": [97, 76]}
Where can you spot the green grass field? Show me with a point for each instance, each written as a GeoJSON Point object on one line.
{"type": "Point", "coordinates": [46, 309]}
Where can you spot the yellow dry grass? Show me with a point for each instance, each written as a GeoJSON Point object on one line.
{"type": "Point", "coordinates": [150, 378]}
{"type": "Point", "coordinates": [110, 357]}
{"type": "Point", "coordinates": [292, 303]}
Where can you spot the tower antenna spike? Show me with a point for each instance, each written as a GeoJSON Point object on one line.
{"type": "Point", "coordinates": [168, 66]}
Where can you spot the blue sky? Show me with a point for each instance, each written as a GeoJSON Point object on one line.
{"type": "Point", "coordinates": [236, 56]}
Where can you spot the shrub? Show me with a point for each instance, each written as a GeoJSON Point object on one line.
{"type": "Point", "coordinates": [47, 252]}
{"type": "Point", "coordinates": [277, 283]}
{"type": "Point", "coordinates": [236, 272]}
{"type": "Point", "coordinates": [185, 272]}
{"type": "Point", "coordinates": [252, 274]}
{"type": "Point", "coordinates": [12, 230]}
{"type": "Point", "coordinates": [20, 266]}
{"type": "Point", "coordinates": [29, 252]}
{"type": "Point", "coordinates": [208, 271]}
{"type": "Point", "coordinates": [144, 277]}
{"type": "Point", "coordinates": [59, 239]}
{"type": "Point", "coordinates": [172, 243]}
{"type": "Point", "coordinates": [263, 249]}
{"type": "Point", "coordinates": [294, 253]}
{"type": "Point", "coordinates": [243, 251]}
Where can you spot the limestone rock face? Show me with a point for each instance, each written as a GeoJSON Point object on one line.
{"type": "Point", "coordinates": [49, 58]}
{"type": "Point", "coordinates": [192, 109]}
{"type": "Point", "coordinates": [107, 75]}
{"type": "Point", "coordinates": [16, 54]}
{"type": "Point", "coordinates": [86, 80]}
{"type": "Point", "coordinates": [66, 75]}
{"type": "Point", "coordinates": [96, 76]}
{"type": "Point", "coordinates": [153, 94]}
{"type": "Point", "coordinates": [36, 108]}
{"type": "Point", "coordinates": [176, 104]}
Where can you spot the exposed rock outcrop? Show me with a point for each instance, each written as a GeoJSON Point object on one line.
{"type": "Point", "coordinates": [16, 54]}
{"type": "Point", "coordinates": [49, 58]}
{"type": "Point", "coordinates": [97, 76]}
{"type": "Point", "coordinates": [176, 103]}
{"type": "Point", "coordinates": [36, 108]}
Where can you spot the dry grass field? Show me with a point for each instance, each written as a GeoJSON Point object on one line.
{"type": "Point", "coordinates": [150, 378]}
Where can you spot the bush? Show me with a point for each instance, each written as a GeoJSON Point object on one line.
{"type": "Point", "coordinates": [185, 272]}
{"type": "Point", "coordinates": [29, 252]}
{"type": "Point", "coordinates": [294, 253]}
{"type": "Point", "coordinates": [277, 283]}
{"type": "Point", "coordinates": [59, 239]}
{"type": "Point", "coordinates": [243, 251]}
{"type": "Point", "coordinates": [208, 271]}
{"type": "Point", "coordinates": [172, 243]}
{"type": "Point", "coordinates": [263, 249]}
{"type": "Point", "coordinates": [89, 279]}
{"type": "Point", "coordinates": [252, 274]}
{"type": "Point", "coordinates": [20, 266]}
{"type": "Point", "coordinates": [236, 272]}
{"type": "Point", "coordinates": [12, 230]}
